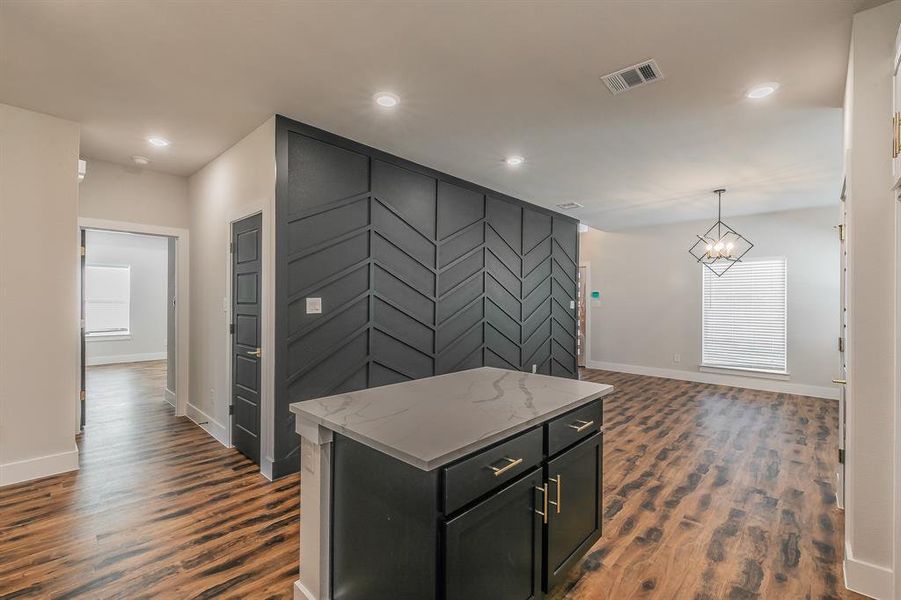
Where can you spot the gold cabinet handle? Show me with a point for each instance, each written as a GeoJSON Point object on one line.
{"type": "Point", "coordinates": [543, 490]}
{"type": "Point", "coordinates": [559, 481]}
{"type": "Point", "coordinates": [511, 462]}
{"type": "Point", "coordinates": [840, 381]}
{"type": "Point", "coordinates": [582, 425]}
{"type": "Point", "coordinates": [258, 353]}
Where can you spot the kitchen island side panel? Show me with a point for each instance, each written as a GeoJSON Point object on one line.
{"type": "Point", "coordinates": [418, 273]}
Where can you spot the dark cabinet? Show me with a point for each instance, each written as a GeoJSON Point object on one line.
{"type": "Point", "coordinates": [493, 550]}
{"type": "Point", "coordinates": [504, 523]}
{"type": "Point", "coordinates": [574, 515]}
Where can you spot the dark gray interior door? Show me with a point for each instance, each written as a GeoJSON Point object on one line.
{"type": "Point", "coordinates": [246, 275]}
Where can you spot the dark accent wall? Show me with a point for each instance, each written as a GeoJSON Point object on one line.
{"type": "Point", "coordinates": [420, 274]}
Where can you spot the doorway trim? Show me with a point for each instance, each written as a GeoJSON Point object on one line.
{"type": "Point", "coordinates": [587, 265]}
{"type": "Point", "coordinates": [267, 325]}
{"type": "Point", "coordinates": [183, 295]}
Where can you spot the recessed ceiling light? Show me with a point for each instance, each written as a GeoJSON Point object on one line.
{"type": "Point", "coordinates": [158, 141]}
{"type": "Point", "coordinates": [762, 91]}
{"type": "Point", "coordinates": [387, 99]}
{"type": "Point", "coordinates": [514, 161]}
{"type": "Point", "coordinates": [140, 160]}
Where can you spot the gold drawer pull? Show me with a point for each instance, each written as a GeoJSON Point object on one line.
{"type": "Point", "coordinates": [582, 425]}
{"type": "Point", "coordinates": [511, 462]}
{"type": "Point", "coordinates": [559, 481]}
{"type": "Point", "coordinates": [543, 490]}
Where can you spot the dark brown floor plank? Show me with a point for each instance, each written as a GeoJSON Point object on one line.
{"type": "Point", "coordinates": [709, 492]}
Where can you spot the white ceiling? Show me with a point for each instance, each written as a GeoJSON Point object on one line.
{"type": "Point", "coordinates": [477, 81]}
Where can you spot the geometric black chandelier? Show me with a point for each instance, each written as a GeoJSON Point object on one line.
{"type": "Point", "coordinates": [721, 246]}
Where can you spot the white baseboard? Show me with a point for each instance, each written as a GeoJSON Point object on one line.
{"type": "Point", "coordinates": [302, 593]}
{"type": "Point", "coordinates": [741, 381]}
{"type": "Point", "coordinates": [266, 468]}
{"type": "Point", "coordinates": [170, 397]}
{"type": "Point", "coordinates": [124, 358]}
{"type": "Point", "coordinates": [35, 468]}
{"type": "Point", "coordinates": [868, 579]}
{"type": "Point", "coordinates": [208, 424]}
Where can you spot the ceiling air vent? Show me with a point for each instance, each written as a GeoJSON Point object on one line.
{"type": "Point", "coordinates": [570, 206]}
{"type": "Point", "coordinates": [632, 77]}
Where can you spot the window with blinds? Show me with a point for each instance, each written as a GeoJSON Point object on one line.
{"type": "Point", "coordinates": [107, 299]}
{"type": "Point", "coordinates": [744, 317]}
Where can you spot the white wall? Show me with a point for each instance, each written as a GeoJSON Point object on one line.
{"type": "Point", "coordinates": [148, 258]}
{"type": "Point", "coordinates": [650, 305]}
{"type": "Point", "coordinates": [238, 183]}
{"type": "Point", "coordinates": [870, 503]}
{"type": "Point", "coordinates": [39, 320]}
{"type": "Point", "coordinates": [119, 193]}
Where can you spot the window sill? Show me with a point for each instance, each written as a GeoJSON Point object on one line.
{"type": "Point", "coordinates": [123, 336]}
{"type": "Point", "coordinates": [760, 373]}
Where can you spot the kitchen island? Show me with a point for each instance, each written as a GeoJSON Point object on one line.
{"type": "Point", "coordinates": [483, 483]}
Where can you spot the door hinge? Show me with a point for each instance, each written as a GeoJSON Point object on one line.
{"type": "Point", "coordinates": [841, 344]}
{"type": "Point", "coordinates": [231, 409]}
{"type": "Point", "coordinates": [81, 395]}
{"type": "Point", "coordinates": [231, 247]}
{"type": "Point", "coordinates": [841, 456]}
{"type": "Point", "coordinates": [84, 251]}
{"type": "Point", "coordinates": [231, 328]}
{"type": "Point", "coordinates": [841, 232]}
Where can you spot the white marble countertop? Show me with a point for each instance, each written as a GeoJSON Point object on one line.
{"type": "Point", "coordinates": [431, 422]}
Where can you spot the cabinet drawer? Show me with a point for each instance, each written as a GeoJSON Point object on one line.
{"type": "Point", "coordinates": [568, 429]}
{"type": "Point", "coordinates": [479, 474]}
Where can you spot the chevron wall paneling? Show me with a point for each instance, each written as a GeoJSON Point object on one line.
{"type": "Point", "coordinates": [419, 274]}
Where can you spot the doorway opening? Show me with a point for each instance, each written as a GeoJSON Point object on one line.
{"type": "Point", "coordinates": [582, 316]}
{"type": "Point", "coordinates": [128, 322]}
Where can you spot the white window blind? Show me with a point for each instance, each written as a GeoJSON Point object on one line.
{"type": "Point", "coordinates": [107, 291]}
{"type": "Point", "coordinates": [744, 316]}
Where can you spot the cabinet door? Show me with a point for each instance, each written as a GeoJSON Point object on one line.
{"type": "Point", "coordinates": [574, 516]}
{"type": "Point", "coordinates": [493, 550]}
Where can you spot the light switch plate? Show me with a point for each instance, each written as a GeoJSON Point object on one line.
{"type": "Point", "coordinates": [314, 306]}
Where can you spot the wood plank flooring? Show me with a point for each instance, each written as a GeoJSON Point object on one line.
{"type": "Point", "coordinates": [709, 493]}
{"type": "Point", "coordinates": [713, 492]}
{"type": "Point", "coordinates": [159, 509]}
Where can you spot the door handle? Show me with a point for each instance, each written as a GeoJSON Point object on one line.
{"type": "Point", "coordinates": [840, 381]}
{"type": "Point", "coordinates": [543, 490]}
{"type": "Point", "coordinates": [258, 353]}
{"type": "Point", "coordinates": [559, 481]}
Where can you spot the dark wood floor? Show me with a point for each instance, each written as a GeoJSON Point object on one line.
{"type": "Point", "coordinates": [710, 493]}
{"type": "Point", "coordinates": [713, 492]}
{"type": "Point", "coordinates": [159, 509]}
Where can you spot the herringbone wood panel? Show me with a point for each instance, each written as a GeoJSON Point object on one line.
{"type": "Point", "coordinates": [418, 276]}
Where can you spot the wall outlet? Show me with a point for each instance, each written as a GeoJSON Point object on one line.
{"type": "Point", "coordinates": [212, 396]}
{"type": "Point", "coordinates": [677, 358]}
{"type": "Point", "coordinates": [534, 368]}
{"type": "Point", "coordinates": [314, 306]}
